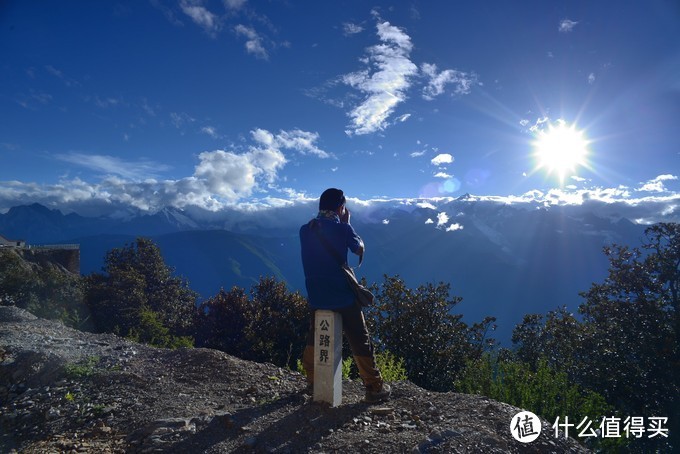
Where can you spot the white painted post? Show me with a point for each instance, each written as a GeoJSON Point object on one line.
{"type": "Point", "coordinates": [328, 357]}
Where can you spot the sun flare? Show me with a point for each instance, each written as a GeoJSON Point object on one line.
{"type": "Point", "coordinates": [560, 149]}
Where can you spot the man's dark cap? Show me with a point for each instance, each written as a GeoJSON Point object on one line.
{"type": "Point", "coordinates": [331, 199]}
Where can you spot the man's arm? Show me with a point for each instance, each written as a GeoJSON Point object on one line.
{"type": "Point", "coordinates": [359, 248]}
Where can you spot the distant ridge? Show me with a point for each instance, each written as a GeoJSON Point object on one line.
{"type": "Point", "coordinates": [504, 260]}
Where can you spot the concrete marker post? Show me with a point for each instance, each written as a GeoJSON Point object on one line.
{"type": "Point", "coordinates": [328, 357]}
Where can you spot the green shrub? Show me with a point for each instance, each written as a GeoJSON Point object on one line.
{"type": "Point", "coordinates": [347, 368]}
{"type": "Point", "coordinates": [267, 325]}
{"type": "Point", "coordinates": [543, 391]}
{"type": "Point", "coordinates": [300, 368]}
{"type": "Point", "coordinates": [419, 326]}
{"type": "Point", "coordinates": [83, 368]}
{"type": "Point", "coordinates": [150, 330]}
{"type": "Point", "coordinates": [136, 279]}
{"type": "Point", "coordinates": [391, 367]}
{"type": "Point", "coordinates": [44, 289]}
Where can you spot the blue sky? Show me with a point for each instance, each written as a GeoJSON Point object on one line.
{"type": "Point", "coordinates": [237, 103]}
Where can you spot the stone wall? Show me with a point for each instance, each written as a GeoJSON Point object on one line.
{"type": "Point", "coordinates": [69, 257]}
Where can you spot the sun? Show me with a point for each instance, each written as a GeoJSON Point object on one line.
{"type": "Point", "coordinates": [560, 148]}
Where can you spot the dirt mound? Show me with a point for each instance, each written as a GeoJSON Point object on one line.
{"type": "Point", "coordinates": [63, 390]}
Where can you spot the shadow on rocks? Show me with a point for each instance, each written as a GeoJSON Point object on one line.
{"type": "Point", "coordinates": [290, 424]}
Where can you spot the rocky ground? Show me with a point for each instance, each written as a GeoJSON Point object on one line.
{"type": "Point", "coordinates": [63, 390]}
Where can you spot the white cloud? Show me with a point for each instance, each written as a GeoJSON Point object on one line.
{"type": "Point", "coordinates": [538, 125]}
{"type": "Point", "coordinates": [609, 203]}
{"type": "Point", "coordinates": [69, 82]}
{"type": "Point", "coordinates": [200, 15]}
{"type": "Point", "coordinates": [253, 41]}
{"type": "Point", "coordinates": [233, 176]}
{"type": "Point", "coordinates": [416, 154]}
{"type": "Point", "coordinates": [591, 78]}
{"type": "Point", "coordinates": [227, 174]}
{"type": "Point", "coordinates": [263, 137]}
{"type": "Point", "coordinates": [349, 28]}
{"type": "Point", "coordinates": [34, 99]}
{"type": "Point", "coordinates": [213, 23]}
{"type": "Point", "coordinates": [105, 103]}
{"type": "Point", "coordinates": [210, 130]}
{"type": "Point", "coordinates": [221, 178]}
{"type": "Point", "coordinates": [303, 142]}
{"type": "Point", "coordinates": [657, 184]}
{"type": "Point", "coordinates": [54, 71]}
{"type": "Point", "coordinates": [114, 194]}
{"type": "Point", "coordinates": [426, 205]}
{"type": "Point", "coordinates": [386, 81]}
{"type": "Point", "coordinates": [109, 165]}
{"type": "Point", "coordinates": [234, 4]}
{"type": "Point", "coordinates": [147, 108]}
{"type": "Point", "coordinates": [443, 158]}
{"type": "Point", "coordinates": [385, 221]}
{"type": "Point", "coordinates": [454, 227]}
{"type": "Point", "coordinates": [179, 120]}
{"type": "Point", "coordinates": [269, 160]}
{"type": "Point", "coordinates": [437, 82]}
{"type": "Point", "coordinates": [567, 25]}
{"type": "Point", "coordinates": [442, 175]}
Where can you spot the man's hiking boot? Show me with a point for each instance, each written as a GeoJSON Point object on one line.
{"type": "Point", "coordinates": [379, 396]}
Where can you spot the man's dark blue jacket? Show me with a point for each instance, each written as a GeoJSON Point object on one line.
{"type": "Point", "coordinates": [327, 286]}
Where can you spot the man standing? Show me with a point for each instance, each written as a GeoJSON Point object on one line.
{"type": "Point", "coordinates": [327, 287]}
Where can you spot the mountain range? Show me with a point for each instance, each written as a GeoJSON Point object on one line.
{"type": "Point", "coordinates": [504, 260]}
